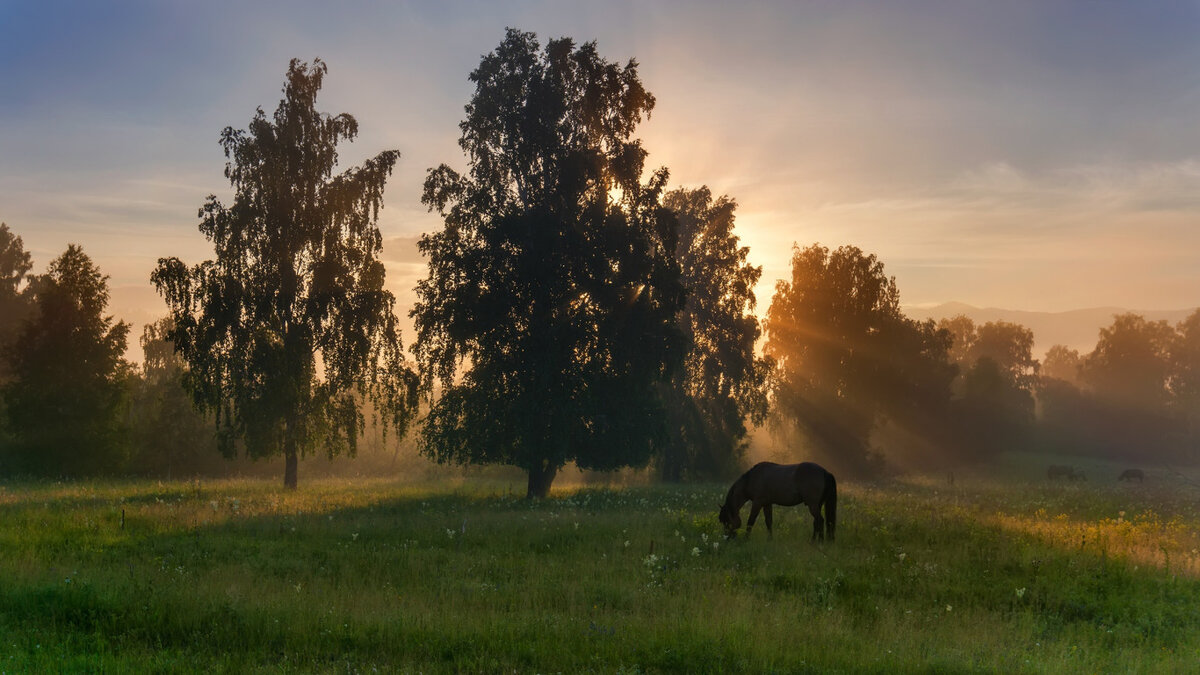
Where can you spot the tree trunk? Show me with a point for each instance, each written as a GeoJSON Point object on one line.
{"type": "Point", "coordinates": [540, 478]}
{"type": "Point", "coordinates": [290, 466]}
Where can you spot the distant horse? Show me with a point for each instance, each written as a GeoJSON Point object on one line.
{"type": "Point", "coordinates": [1056, 471]}
{"type": "Point", "coordinates": [768, 483]}
{"type": "Point", "coordinates": [1130, 474]}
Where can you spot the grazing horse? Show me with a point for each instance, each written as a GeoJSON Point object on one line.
{"type": "Point", "coordinates": [1130, 474]}
{"type": "Point", "coordinates": [1055, 471]}
{"type": "Point", "coordinates": [768, 483]}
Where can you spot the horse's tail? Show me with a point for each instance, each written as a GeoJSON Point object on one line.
{"type": "Point", "coordinates": [830, 505]}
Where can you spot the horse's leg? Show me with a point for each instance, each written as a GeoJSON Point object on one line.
{"type": "Point", "coordinates": [754, 507]}
{"type": "Point", "coordinates": [818, 522]}
{"type": "Point", "coordinates": [767, 515]}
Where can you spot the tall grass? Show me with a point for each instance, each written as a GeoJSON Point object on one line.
{"type": "Point", "coordinates": [986, 575]}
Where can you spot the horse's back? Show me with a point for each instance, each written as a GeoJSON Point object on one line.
{"type": "Point", "coordinates": [786, 484]}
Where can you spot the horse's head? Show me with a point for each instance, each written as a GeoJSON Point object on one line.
{"type": "Point", "coordinates": [730, 519]}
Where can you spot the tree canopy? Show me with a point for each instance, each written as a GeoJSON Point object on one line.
{"type": "Point", "coordinates": [66, 397]}
{"type": "Point", "coordinates": [15, 263]}
{"type": "Point", "coordinates": [723, 381]}
{"type": "Point", "coordinates": [291, 323]}
{"type": "Point", "coordinates": [846, 355]}
{"type": "Point", "coordinates": [547, 317]}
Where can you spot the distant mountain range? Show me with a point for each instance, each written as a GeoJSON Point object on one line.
{"type": "Point", "coordinates": [1078, 329]}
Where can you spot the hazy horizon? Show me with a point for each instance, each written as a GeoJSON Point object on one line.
{"type": "Point", "coordinates": [1023, 156]}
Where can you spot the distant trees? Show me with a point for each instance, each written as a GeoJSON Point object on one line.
{"type": "Point", "coordinates": [291, 323]}
{"type": "Point", "coordinates": [169, 436]}
{"type": "Point", "coordinates": [1185, 374]}
{"type": "Point", "coordinates": [15, 263]}
{"type": "Point", "coordinates": [722, 384]}
{"type": "Point", "coordinates": [846, 356]}
{"type": "Point", "coordinates": [15, 301]}
{"type": "Point", "coordinates": [1061, 363]}
{"type": "Point", "coordinates": [548, 314]}
{"type": "Point", "coordinates": [1131, 363]}
{"type": "Point", "coordinates": [66, 393]}
{"type": "Point", "coordinates": [994, 393]}
{"type": "Point", "coordinates": [1133, 396]}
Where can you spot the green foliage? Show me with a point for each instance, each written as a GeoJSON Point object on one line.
{"type": "Point", "coordinates": [170, 436]}
{"type": "Point", "coordinates": [994, 575]}
{"type": "Point", "coordinates": [994, 404]}
{"type": "Point", "coordinates": [291, 324]}
{"type": "Point", "coordinates": [846, 357]}
{"type": "Point", "coordinates": [547, 314]}
{"type": "Point", "coordinates": [722, 382]}
{"type": "Point", "coordinates": [1130, 365]}
{"type": "Point", "coordinates": [15, 263]}
{"type": "Point", "coordinates": [1133, 396]}
{"type": "Point", "coordinates": [68, 393]}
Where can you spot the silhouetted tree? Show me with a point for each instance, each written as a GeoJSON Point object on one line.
{"type": "Point", "coordinates": [291, 321]}
{"type": "Point", "coordinates": [548, 313]}
{"type": "Point", "coordinates": [846, 355]}
{"type": "Point", "coordinates": [962, 334]}
{"type": "Point", "coordinates": [994, 413]}
{"type": "Point", "coordinates": [723, 382]}
{"type": "Point", "coordinates": [1061, 363]}
{"type": "Point", "coordinates": [1123, 409]}
{"type": "Point", "coordinates": [15, 263]}
{"type": "Point", "coordinates": [1185, 373]}
{"type": "Point", "coordinates": [170, 436]}
{"type": "Point", "coordinates": [1008, 345]}
{"type": "Point", "coordinates": [1130, 365]}
{"type": "Point", "coordinates": [994, 405]}
{"type": "Point", "coordinates": [67, 394]}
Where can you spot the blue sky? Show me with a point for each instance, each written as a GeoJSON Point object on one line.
{"type": "Point", "coordinates": [1028, 155]}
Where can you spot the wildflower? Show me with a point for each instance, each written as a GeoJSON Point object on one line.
{"type": "Point", "coordinates": [354, 536]}
{"type": "Point", "coordinates": [450, 533]}
{"type": "Point", "coordinates": [902, 556]}
{"type": "Point", "coordinates": [696, 551]}
{"type": "Point", "coordinates": [1020, 592]}
{"type": "Point", "coordinates": [716, 545]}
{"type": "Point", "coordinates": [948, 608]}
{"type": "Point", "coordinates": [626, 543]}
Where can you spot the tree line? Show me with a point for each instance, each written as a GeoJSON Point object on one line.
{"type": "Point", "coordinates": [575, 310]}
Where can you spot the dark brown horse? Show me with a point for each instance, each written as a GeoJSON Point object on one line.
{"type": "Point", "coordinates": [767, 483]}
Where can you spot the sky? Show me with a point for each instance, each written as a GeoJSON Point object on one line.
{"type": "Point", "coordinates": [1035, 155]}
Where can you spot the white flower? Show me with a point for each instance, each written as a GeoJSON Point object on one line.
{"type": "Point", "coordinates": [948, 608]}
{"type": "Point", "coordinates": [1020, 592]}
{"type": "Point", "coordinates": [902, 556]}
{"type": "Point", "coordinates": [450, 533]}
{"type": "Point", "coordinates": [696, 551]}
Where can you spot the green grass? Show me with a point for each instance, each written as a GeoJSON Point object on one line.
{"type": "Point", "coordinates": [989, 575]}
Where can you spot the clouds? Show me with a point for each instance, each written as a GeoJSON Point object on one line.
{"type": "Point", "coordinates": [1024, 154]}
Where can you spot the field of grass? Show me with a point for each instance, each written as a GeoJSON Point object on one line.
{"type": "Point", "coordinates": [990, 574]}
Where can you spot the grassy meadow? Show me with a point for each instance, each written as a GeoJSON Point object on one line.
{"type": "Point", "coordinates": [999, 572]}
